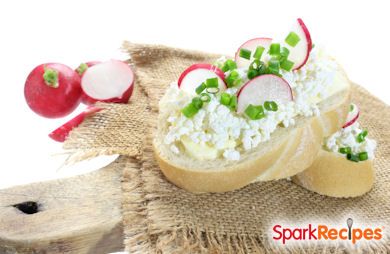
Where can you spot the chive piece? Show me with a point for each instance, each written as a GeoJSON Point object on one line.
{"type": "Point", "coordinates": [274, 49]}
{"type": "Point", "coordinates": [312, 46]}
{"type": "Point", "coordinates": [190, 110]}
{"type": "Point", "coordinates": [353, 157]}
{"type": "Point", "coordinates": [212, 82]}
{"type": "Point", "coordinates": [271, 106]}
{"type": "Point", "coordinates": [225, 99]}
{"type": "Point", "coordinates": [198, 103]}
{"type": "Point", "coordinates": [245, 53]}
{"type": "Point", "coordinates": [345, 150]}
{"type": "Point", "coordinates": [284, 52]}
{"type": "Point", "coordinates": [205, 97]}
{"type": "Point", "coordinates": [251, 111]}
{"type": "Point", "coordinates": [200, 88]}
{"type": "Point", "coordinates": [363, 156]}
{"type": "Point", "coordinates": [212, 90]}
{"type": "Point", "coordinates": [286, 65]}
{"type": "Point", "coordinates": [351, 107]}
{"type": "Point", "coordinates": [255, 65]}
{"type": "Point", "coordinates": [361, 136]}
{"type": "Point", "coordinates": [255, 112]}
{"type": "Point", "coordinates": [259, 52]}
{"type": "Point", "coordinates": [273, 66]}
{"type": "Point", "coordinates": [233, 102]}
{"type": "Point", "coordinates": [292, 39]}
{"type": "Point", "coordinates": [231, 65]}
{"type": "Point", "coordinates": [252, 74]}
{"type": "Point", "coordinates": [262, 70]}
{"type": "Point", "coordinates": [233, 79]}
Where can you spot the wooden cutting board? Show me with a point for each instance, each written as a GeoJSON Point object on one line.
{"type": "Point", "coordinates": [81, 214]}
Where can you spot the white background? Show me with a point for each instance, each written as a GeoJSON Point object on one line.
{"type": "Point", "coordinates": [34, 32]}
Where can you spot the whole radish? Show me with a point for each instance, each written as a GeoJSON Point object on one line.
{"type": "Point", "coordinates": [52, 90]}
{"type": "Point", "coordinates": [81, 70]}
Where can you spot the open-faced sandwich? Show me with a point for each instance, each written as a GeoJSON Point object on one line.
{"type": "Point", "coordinates": [260, 116]}
{"type": "Point", "coordinates": [344, 167]}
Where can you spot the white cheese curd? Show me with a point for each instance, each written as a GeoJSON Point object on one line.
{"type": "Point", "coordinates": [347, 138]}
{"type": "Point", "coordinates": [216, 131]}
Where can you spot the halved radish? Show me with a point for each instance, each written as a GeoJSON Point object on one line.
{"type": "Point", "coordinates": [61, 133]}
{"type": "Point", "coordinates": [196, 74]}
{"type": "Point", "coordinates": [352, 116]}
{"type": "Point", "coordinates": [263, 88]}
{"type": "Point", "coordinates": [300, 52]}
{"type": "Point", "coordinates": [81, 70]}
{"type": "Point", "coordinates": [252, 45]}
{"type": "Point", "coordinates": [110, 81]}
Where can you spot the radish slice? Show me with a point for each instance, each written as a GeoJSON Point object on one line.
{"type": "Point", "coordinates": [252, 45]}
{"type": "Point", "coordinates": [61, 133]}
{"type": "Point", "coordinates": [263, 88]}
{"type": "Point", "coordinates": [300, 53]}
{"type": "Point", "coordinates": [110, 81]}
{"type": "Point", "coordinates": [196, 74]}
{"type": "Point", "coordinates": [352, 116]}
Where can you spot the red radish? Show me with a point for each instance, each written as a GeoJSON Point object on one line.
{"type": "Point", "coordinates": [111, 81]}
{"type": "Point", "coordinates": [52, 90]}
{"type": "Point", "coordinates": [196, 74]}
{"type": "Point", "coordinates": [61, 133]}
{"type": "Point", "coordinates": [263, 88]}
{"type": "Point", "coordinates": [252, 45]}
{"type": "Point", "coordinates": [352, 116]}
{"type": "Point", "coordinates": [81, 70]}
{"type": "Point", "coordinates": [300, 53]}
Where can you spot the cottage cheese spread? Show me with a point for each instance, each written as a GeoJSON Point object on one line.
{"type": "Point", "coordinates": [347, 138]}
{"type": "Point", "coordinates": [217, 131]}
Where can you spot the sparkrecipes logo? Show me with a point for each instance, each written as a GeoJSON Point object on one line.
{"type": "Point", "coordinates": [322, 232]}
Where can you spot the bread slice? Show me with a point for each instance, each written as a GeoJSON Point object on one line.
{"type": "Point", "coordinates": [288, 152]}
{"type": "Point", "coordinates": [333, 175]}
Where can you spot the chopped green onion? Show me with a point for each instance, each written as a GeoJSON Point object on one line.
{"type": "Point", "coordinates": [363, 156]}
{"type": "Point", "coordinates": [353, 157]}
{"type": "Point", "coordinates": [200, 88]}
{"type": "Point", "coordinates": [271, 106]}
{"type": "Point", "coordinates": [284, 52]}
{"type": "Point", "coordinates": [351, 107]}
{"type": "Point", "coordinates": [252, 74]}
{"type": "Point", "coordinates": [274, 49]}
{"type": "Point", "coordinates": [229, 65]}
{"type": "Point", "coordinates": [286, 65]}
{"type": "Point", "coordinates": [273, 66]}
{"type": "Point", "coordinates": [263, 70]}
{"type": "Point", "coordinates": [255, 112]}
{"type": "Point", "coordinates": [312, 46]}
{"type": "Point", "coordinates": [205, 97]}
{"type": "Point", "coordinates": [345, 150]}
{"type": "Point", "coordinates": [212, 90]}
{"type": "Point", "coordinates": [361, 136]}
{"type": "Point", "coordinates": [292, 39]}
{"type": "Point", "coordinates": [245, 53]}
{"type": "Point", "coordinates": [190, 110]}
{"type": "Point", "coordinates": [225, 99]}
{"type": "Point", "coordinates": [259, 51]}
{"type": "Point", "coordinates": [255, 65]}
{"type": "Point", "coordinates": [198, 103]}
{"type": "Point", "coordinates": [233, 79]}
{"type": "Point", "coordinates": [212, 82]}
{"type": "Point", "coordinates": [82, 68]}
{"type": "Point", "coordinates": [233, 102]}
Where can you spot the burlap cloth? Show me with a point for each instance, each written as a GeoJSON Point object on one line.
{"type": "Point", "coordinates": [159, 217]}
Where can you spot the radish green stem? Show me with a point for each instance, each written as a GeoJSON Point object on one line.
{"type": "Point", "coordinates": [51, 77]}
{"type": "Point", "coordinates": [82, 68]}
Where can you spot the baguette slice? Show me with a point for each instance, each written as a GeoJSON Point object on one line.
{"type": "Point", "coordinates": [288, 152]}
{"type": "Point", "coordinates": [333, 175]}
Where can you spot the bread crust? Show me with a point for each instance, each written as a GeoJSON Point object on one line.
{"type": "Point", "coordinates": [333, 175]}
